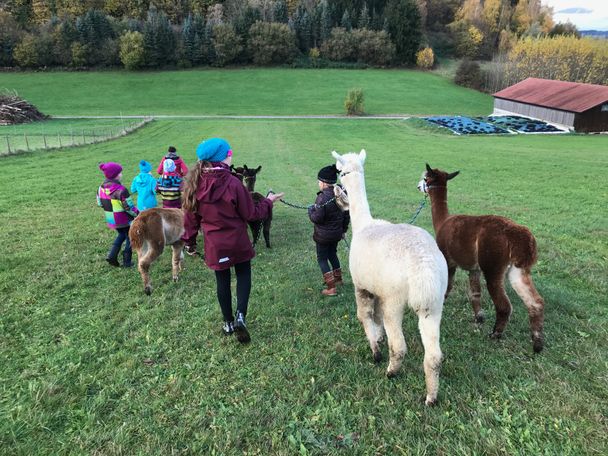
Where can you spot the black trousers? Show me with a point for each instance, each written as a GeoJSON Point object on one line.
{"type": "Point", "coordinates": [326, 254]}
{"type": "Point", "coordinates": [243, 289]}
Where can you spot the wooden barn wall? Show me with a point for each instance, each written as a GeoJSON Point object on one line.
{"type": "Point", "coordinates": [537, 112]}
{"type": "Point", "coordinates": [593, 120]}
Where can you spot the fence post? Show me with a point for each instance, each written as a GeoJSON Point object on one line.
{"type": "Point", "coordinates": [44, 137]}
{"type": "Point", "coordinates": [27, 144]}
{"type": "Point", "coordinates": [59, 138]}
{"type": "Point", "coordinates": [8, 144]}
{"type": "Point", "coordinates": [84, 141]}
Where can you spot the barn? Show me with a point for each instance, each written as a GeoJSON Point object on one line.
{"type": "Point", "coordinates": [580, 107]}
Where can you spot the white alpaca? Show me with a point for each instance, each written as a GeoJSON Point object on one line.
{"type": "Point", "coordinates": [391, 266]}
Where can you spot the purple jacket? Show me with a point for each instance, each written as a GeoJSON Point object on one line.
{"type": "Point", "coordinates": [225, 206]}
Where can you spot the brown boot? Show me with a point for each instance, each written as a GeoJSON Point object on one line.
{"type": "Point", "coordinates": [338, 277]}
{"type": "Point", "coordinates": [331, 284]}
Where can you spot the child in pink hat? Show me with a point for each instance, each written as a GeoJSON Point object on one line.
{"type": "Point", "coordinates": [119, 210]}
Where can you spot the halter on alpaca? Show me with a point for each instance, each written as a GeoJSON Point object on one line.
{"type": "Point", "coordinates": [491, 245]}
{"type": "Point", "coordinates": [393, 265]}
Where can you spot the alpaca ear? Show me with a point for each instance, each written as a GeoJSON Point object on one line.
{"type": "Point", "coordinates": [362, 156]}
{"type": "Point", "coordinates": [428, 168]}
{"type": "Point", "coordinates": [258, 169]}
{"type": "Point", "coordinates": [245, 168]}
{"type": "Point", "coordinates": [339, 160]}
{"type": "Point", "coordinates": [453, 175]}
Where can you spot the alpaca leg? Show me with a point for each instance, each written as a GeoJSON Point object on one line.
{"type": "Point", "coordinates": [365, 313]}
{"type": "Point", "coordinates": [177, 259]}
{"type": "Point", "coordinates": [522, 283]}
{"type": "Point", "coordinates": [475, 295]}
{"type": "Point", "coordinates": [451, 272]}
{"type": "Point", "coordinates": [393, 317]}
{"type": "Point", "coordinates": [429, 333]}
{"type": "Point", "coordinates": [266, 231]}
{"type": "Point", "coordinates": [144, 262]}
{"type": "Point", "coordinates": [379, 320]}
{"type": "Point", "coordinates": [496, 288]}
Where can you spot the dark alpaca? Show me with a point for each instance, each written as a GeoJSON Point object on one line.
{"type": "Point", "coordinates": [150, 232]}
{"type": "Point", "coordinates": [249, 178]}
{"type": "Point", "coordinates": [491, 245]}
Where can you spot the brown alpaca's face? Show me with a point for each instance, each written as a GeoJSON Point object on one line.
{"type": "Point", "coordinates": [249, 176]}
{"type": "Point", "coordinates": [435, 178]}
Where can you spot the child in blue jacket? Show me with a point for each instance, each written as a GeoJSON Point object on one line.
{"type": "Point", "coordinates": [145, 187]}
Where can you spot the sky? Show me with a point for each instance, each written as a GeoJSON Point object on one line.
{"type": "Point", "coordinates": [591, 15]}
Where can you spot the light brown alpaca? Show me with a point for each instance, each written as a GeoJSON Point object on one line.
{"type": "Point", "coordinates": [150, 232]}
{"type": "Point", "coordinates": [491, 245]}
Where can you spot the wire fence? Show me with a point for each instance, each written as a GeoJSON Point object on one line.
{"type": "Point", "coordinates": [26, 142]}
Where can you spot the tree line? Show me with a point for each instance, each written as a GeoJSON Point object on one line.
{"type": "Point", "coordinates": [140, 34]}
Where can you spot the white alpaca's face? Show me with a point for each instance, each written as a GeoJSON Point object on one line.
{"type": "Point", "coordinates": [349, 163]}
{"type": "Point", "coordinates": [422, 185]}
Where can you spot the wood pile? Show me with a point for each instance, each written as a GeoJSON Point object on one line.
{"type": "Point", "coordinates": [15, 110]}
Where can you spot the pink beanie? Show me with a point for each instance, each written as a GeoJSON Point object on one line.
{"type": "Point", "coordinates": [110, 169]}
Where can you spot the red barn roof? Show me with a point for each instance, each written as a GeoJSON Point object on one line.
{"type": "Point", "coordinates": [566, 96]}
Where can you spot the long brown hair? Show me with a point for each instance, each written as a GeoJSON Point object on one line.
{"type": "Point", "coordinates": [189, 201]}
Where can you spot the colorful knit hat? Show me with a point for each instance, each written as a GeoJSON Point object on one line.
{"type": "Point", "coordinates": [328, 174]}
{"type": "Point", "coordinates": [168, 165]}
{"type": "Point", "coordinates": [213, 150]}
{"type": "Point", "coordinates": [110, 169]}
{"type": "Point", "coordinates": [144, 166]}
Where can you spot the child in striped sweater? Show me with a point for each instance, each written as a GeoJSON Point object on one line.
{"type": "Point", "coordinates": [169, 185]}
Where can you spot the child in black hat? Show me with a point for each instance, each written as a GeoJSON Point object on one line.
{"type": "Point", "coordinates": [330, 224]}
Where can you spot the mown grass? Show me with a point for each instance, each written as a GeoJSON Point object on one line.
{"type": "Point", "coordinates": [90, 365]}
{"type": "Point", "coordinates": [255, 91]}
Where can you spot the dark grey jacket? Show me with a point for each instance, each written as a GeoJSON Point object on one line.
{"type": "Point", "coordinates": [330, 222]}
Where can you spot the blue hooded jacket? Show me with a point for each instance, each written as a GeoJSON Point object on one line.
{"type": "Point", "coordinates": [145, 187]}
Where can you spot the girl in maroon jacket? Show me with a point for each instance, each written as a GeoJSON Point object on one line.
{"type": "Point", "coordinates": [224, 206]}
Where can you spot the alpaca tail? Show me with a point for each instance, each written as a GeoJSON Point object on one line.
{"type": "Point", "coordinates": [142, 228]}
{"type": "Point", "coordinates": [523, 248]}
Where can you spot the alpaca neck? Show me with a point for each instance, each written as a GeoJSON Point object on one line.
{"type": "Point", "coordinates": [360, 215]}
{"type": "Point", "coordinates": [439, 206]}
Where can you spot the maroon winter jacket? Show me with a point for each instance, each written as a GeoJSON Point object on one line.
{"type": "Point", "coordinates": [225, 206]}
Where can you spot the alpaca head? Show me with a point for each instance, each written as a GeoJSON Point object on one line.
{"type": "Point", "coordinates": [435, 178]}
{"type": "Point", "coordinates": [348, 164]}
{"type": "Point", "coordinates": [249, 176]}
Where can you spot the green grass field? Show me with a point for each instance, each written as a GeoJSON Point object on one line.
{"type": "Point", "coordinates": [242, 92]}
{"type": "Point", "coordinates": [90, 365]}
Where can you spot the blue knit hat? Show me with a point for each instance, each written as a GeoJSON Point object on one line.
{"type": "Point", "coordinates": [144, 166]}
{"type": "Point", "coordinates": [213, 150]}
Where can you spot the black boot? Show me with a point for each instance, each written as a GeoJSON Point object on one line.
{"type": "Point", "coordinates": [228, 328]}
{"type": "Point", "coordinates": [126, 258]}
{"type": "Point", "coordinates": [240, 328]}
{"type": "Point", "coordinates": [112, 257]}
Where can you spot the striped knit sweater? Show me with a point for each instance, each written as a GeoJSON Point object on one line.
{"type": "Point", "coordinates": [117, 204]}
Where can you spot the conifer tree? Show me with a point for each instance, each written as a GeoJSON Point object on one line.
{"type": "Point", "coordinates": [403, 21]}
{"type": "Point", "coordinates": [345, 21]}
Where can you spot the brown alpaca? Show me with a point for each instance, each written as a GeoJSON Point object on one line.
{"type": "Point", "coordinates": [150, 232]}
{"type": "Point", "coordinates": [249, 178]}
{"type": "Point", "coordinates": [491, 245]}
